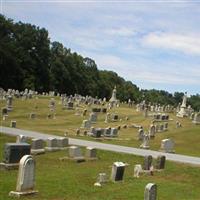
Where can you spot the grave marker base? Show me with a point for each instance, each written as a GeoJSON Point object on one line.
{"type": "Point", "coordinates": [25, 193]}
{"type": "Point", "coordinates": [37, 151]}
{"type": "Point", "coordinates": [51, 149]}
{"type": "Point", "coordinates": [9, 166]}
{"type": "Point", "coordinates": [76, 159]}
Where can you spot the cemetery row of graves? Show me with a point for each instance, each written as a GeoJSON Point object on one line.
{"type": "Point", "coordinates": [52, 169]}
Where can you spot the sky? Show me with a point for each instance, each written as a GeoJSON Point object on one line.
{"type": "Point", "coordinates": [153, 43]}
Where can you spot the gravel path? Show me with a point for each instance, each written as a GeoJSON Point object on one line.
{"type": "Point", "coordinates": [110, 147]}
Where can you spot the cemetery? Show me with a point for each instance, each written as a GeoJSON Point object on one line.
{"type": "Point", "coordinates": [122, 125]}
{"type": "Point", "coordinates": [58, 170]}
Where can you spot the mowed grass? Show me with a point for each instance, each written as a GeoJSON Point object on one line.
{"type": "Point", "coordinates": [186, 138]}
{"type": "Point", "coordinates": [67, 180]}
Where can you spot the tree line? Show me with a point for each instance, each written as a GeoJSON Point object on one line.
{"type": "Point", "coordinates": [28, 59]}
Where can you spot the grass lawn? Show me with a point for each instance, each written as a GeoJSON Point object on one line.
{"type": "Point", "coordinates": [58, 180]}
{"type": "Point", "coordinates": [186, 138]}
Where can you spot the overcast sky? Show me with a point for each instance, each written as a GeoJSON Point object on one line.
{"type": "Point", "coordinates": [153, 43]}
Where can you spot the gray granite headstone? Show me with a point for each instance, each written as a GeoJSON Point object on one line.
{"type": "Point", "coordinates": [147, 162]}
{"type": "Point", "coordinates": [160, 162]}
{"type": "Point", "coordinates": [150, 192]}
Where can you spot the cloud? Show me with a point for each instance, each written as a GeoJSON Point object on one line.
{"type": "Point", "coordinates": [120, 31]}
{"type": "Point", "coordinates": [188, 44]}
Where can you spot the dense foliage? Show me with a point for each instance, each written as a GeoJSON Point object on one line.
{"type": "Point", "coordinates": [29, 60]}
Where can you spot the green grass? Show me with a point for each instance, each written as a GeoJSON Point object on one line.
{"type": "Point", "coordinates": [186, 138]}
{"type": "Point", "coordinates": [57, 180]}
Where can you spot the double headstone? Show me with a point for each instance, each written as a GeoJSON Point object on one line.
{"type": "Point", "coordinates": [52, 144]}
{"type": "Point", "coordinates": [62, 143]}
{"type": "Point", "coordinates": [13, 152]}
{"type": "Point", "coordinates": [37, 146]}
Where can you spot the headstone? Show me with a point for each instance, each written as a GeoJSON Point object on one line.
{"type": "Point", "coordinates": [117, 173]}
{"type": "Point", "coordinates": [86, 124]}
{"type": "Point", "coordinates": [104, 110]}
{"type": "Point", "coordinates": [4, 111]}
{"type": "Point", "coordinates": [161, 128]}
{"type": "Point", "coordinates": [107, 119]}
{"type": "Point", "coordinates": [75, 153]}
{"type": "Point", "coordinates": [13, 152]}
{"type": "Point", "coordinates": [37, 146]}
{"type": "Point", "coordinates": [32, 116]}
{"type": "Point", "coordinates": [137, 171]}
{"type": "Point", "coordinates": [9, 103]}
{"type": "Point", "coordinates": [21, 139]}
{"type": "Point", "coordinates": [51, 116]}
{"type": "Point", "coordinates": [102, 178]}
{"type": "Point", "coordinates": [52, 104]}
{"type": "Point", "coordinates": [26, 177]}
{"type": "Point", "coordinates": [84, 112]}
{"type": "Point", "coordinates": [78, 131]}
{"type": "Point", "coordinates": [114, 117]}
{"type": "Point", "coordinates": [196, 119]}
{"type": "Point", "coordinates": [13, 124]}
{"type": "Point", "coordinates": [147, 162]}
{"type": "Point", "coordinates": [178, 124]}
{"type": "Point", "coordinates": [157, 126]}
{"type": "Point", "coordinates": [62, 143]}
{"type": "Point", "coordinates": [93, 117]}
{"type": "Point", "coordinates": [140, 134]}
{"type": "Point", "coordinates": [145, 112]}
{"type": "Point", "coordinates": [114, 132]}
{"type": "Point", "coordinates": [165, 126]}
{"type": "Point", "coordinates": [70, 105]}
{"type": "Point", "coordinates": [91, 153]}
{"type": "Point", "coordinates": [52, 144]}
{"type": "Point", "coordinates": [160, 162]}
{"type": "Point", "coordinates": [150, 192]}
{"type": "Point", "coordinates": [107, 132]}
{"type": "Point", "coordinates": [145, 143]}
{"type": "Point", "coordinates": [152, 131]}
{"type": "Point", "coordinates": [167, 146]}
{"type": "Point", "coordinates": [96, 110]}
{"type": "Point", "coordinates": [97, 132]}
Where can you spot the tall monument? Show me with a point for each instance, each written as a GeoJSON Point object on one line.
{"type": "Point", "coordinates": [183, 109]}
{"type": "Point", "coordinates": [113, 99]}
